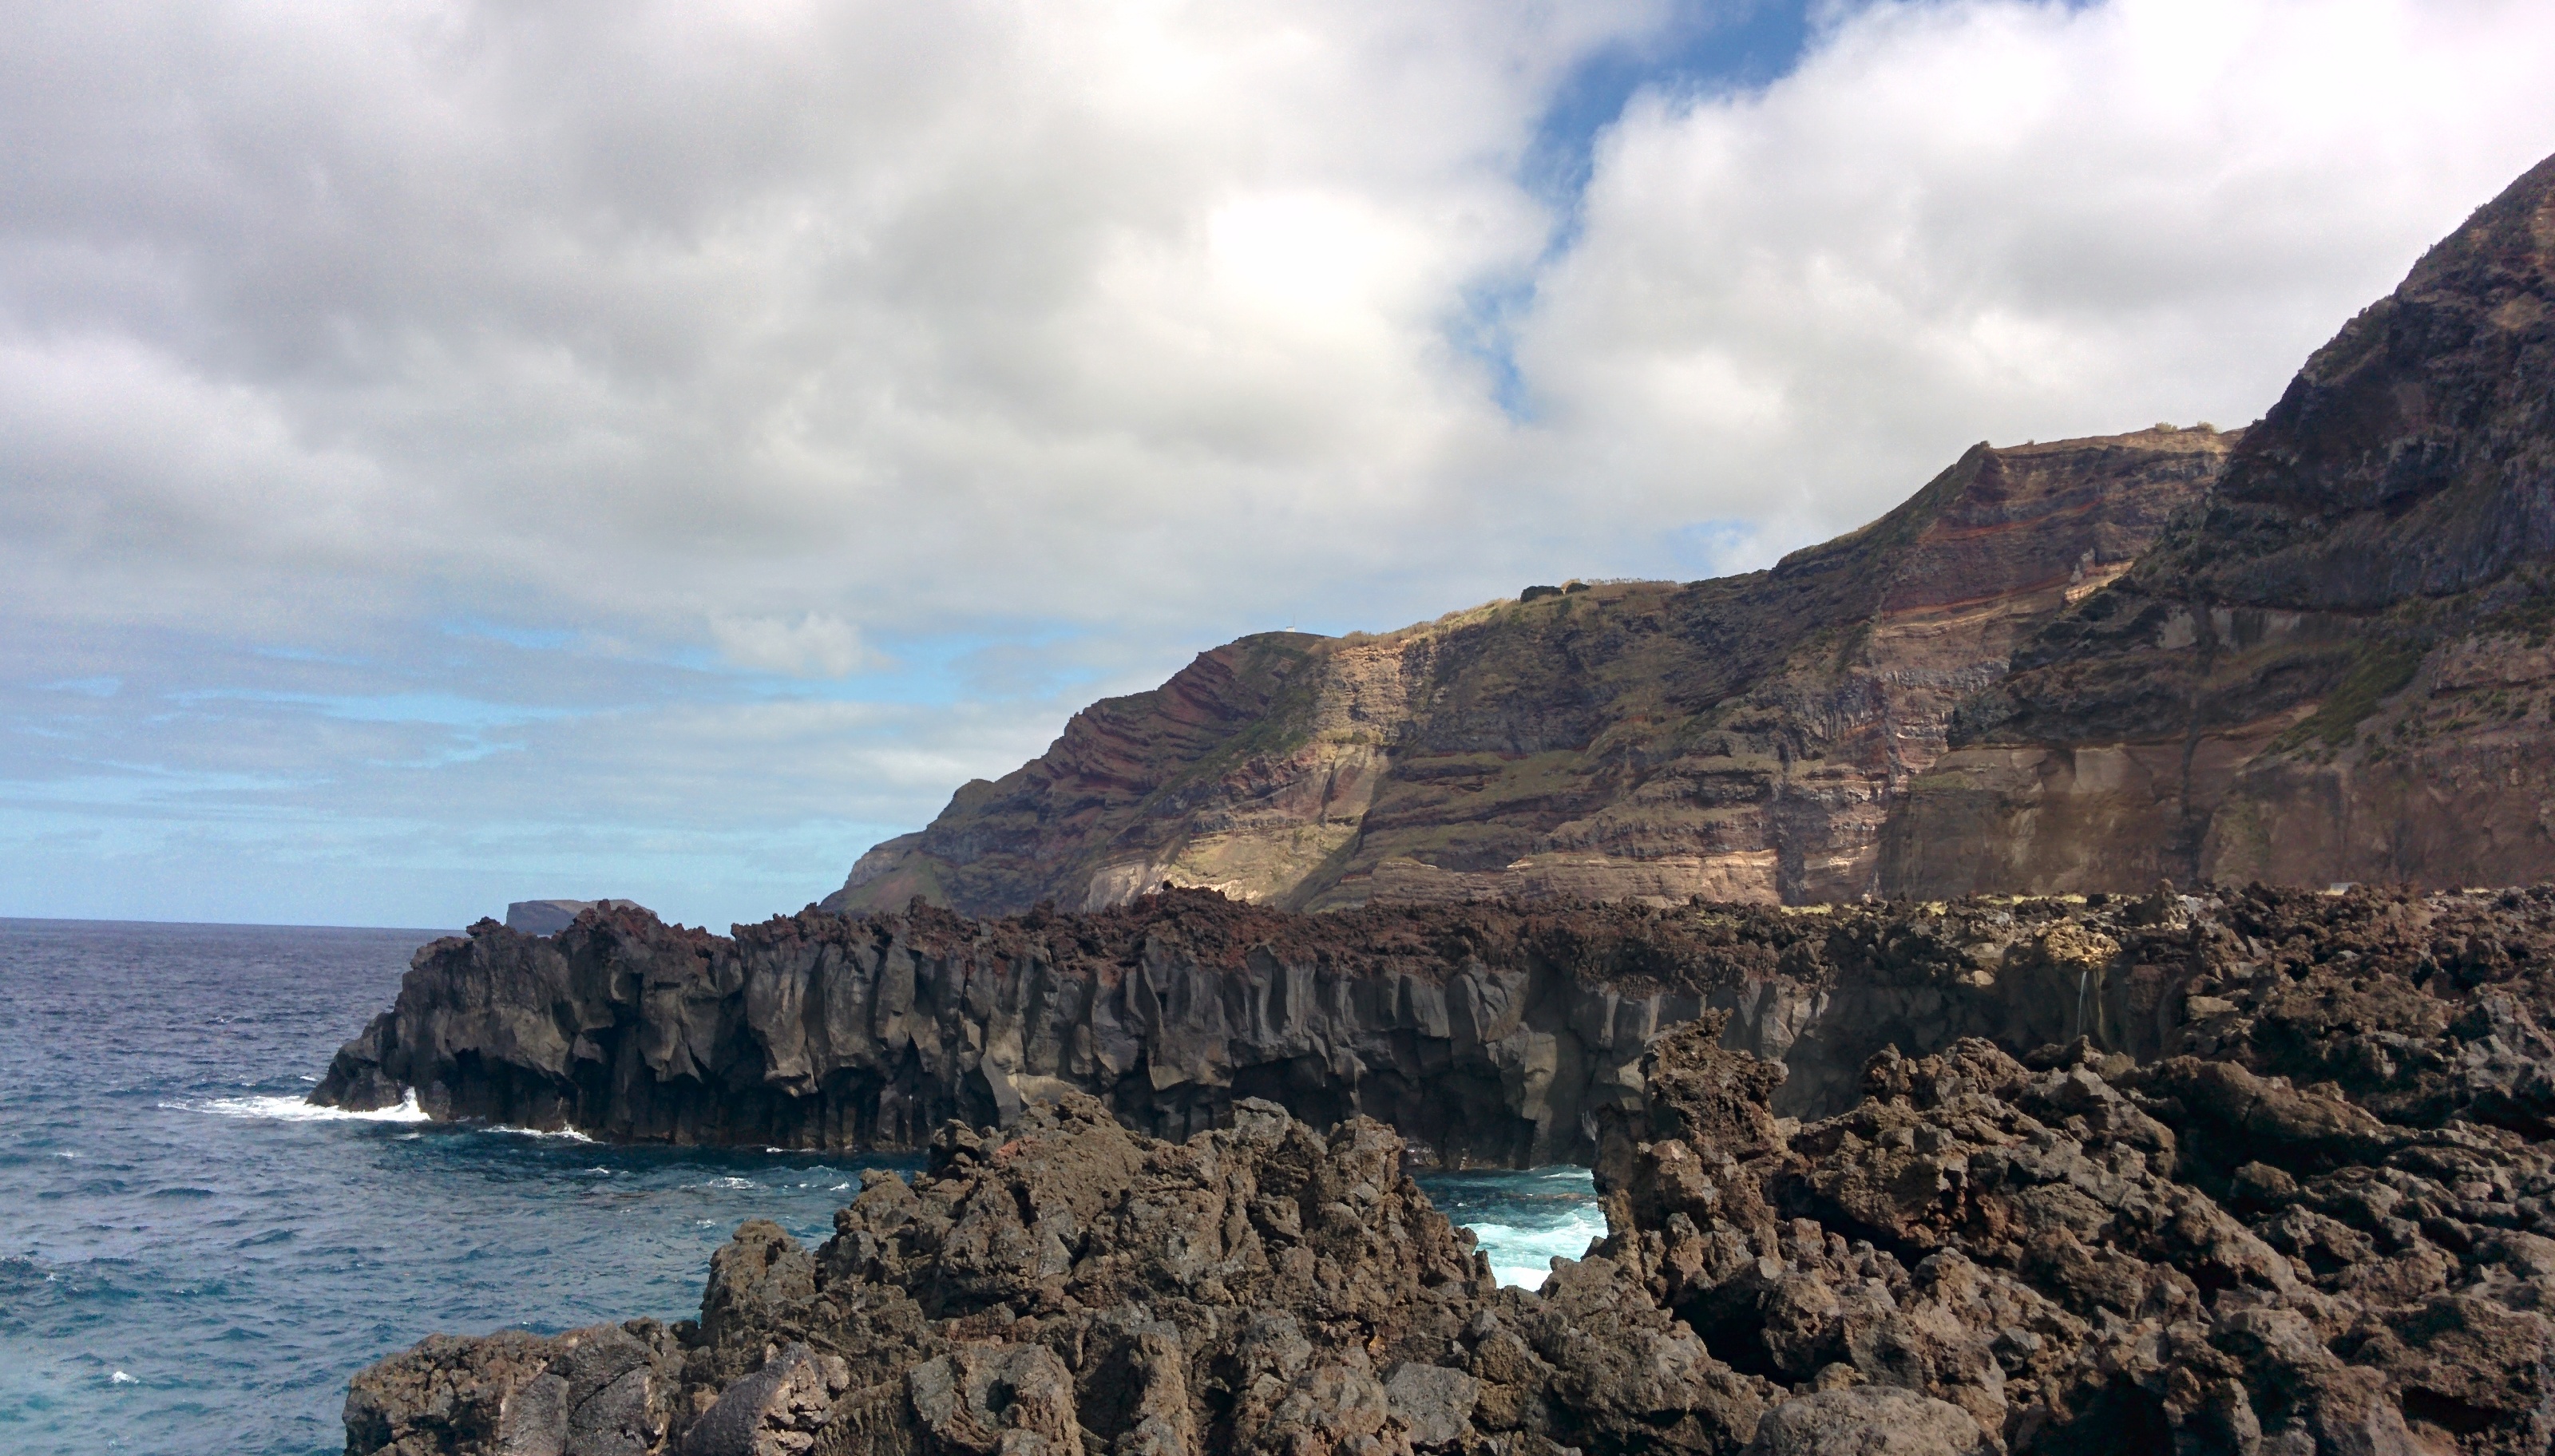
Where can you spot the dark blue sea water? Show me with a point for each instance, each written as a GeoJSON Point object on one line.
{"type": "Point", "coordinates": [194, 1262]}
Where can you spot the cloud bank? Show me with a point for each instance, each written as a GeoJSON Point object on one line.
{"type": "Point", "coordinates": [455, 452]}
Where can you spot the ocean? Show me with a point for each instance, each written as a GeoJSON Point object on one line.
{"type": "Point", "coordinates": [194, 1261]}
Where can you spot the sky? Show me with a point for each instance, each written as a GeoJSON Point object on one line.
{"type": "Point", "coordinates": [455, 452]}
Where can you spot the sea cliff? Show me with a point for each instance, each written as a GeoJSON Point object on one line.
{"type": "Point", "coordinates": [1741, 739]}
{"type": "Point", "coordinates": [1487, 1035]}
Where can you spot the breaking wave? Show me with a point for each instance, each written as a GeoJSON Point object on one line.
{"type": "Point", "coordinates": [295, 1110]}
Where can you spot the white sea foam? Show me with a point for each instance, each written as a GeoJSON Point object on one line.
{"type": "Point", "coordinates": [564, 1134]}
{"type": "Point", "coordinates": [295, 1110]}
{"type": "Point", "coordinates": [1521, 1255]}
{"type": "Point", "coordinates": [736, 1183]}
{"type": "Point", "coordinates": [121, 1379]}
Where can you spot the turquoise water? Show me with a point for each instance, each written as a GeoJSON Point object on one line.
{"type": "Point", "coordinates": [192, 1260]}
{"type": "Point", "coordinates": [1522, 1219]}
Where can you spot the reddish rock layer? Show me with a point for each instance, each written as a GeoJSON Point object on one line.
{"type": "Point", "coordinates": [1739, 739]}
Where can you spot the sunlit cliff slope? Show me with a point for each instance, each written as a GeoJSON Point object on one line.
{"type": "Point", "coordinates": [1741, 737]}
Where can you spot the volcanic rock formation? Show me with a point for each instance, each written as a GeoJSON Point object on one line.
{"type": "Point", "coordinates": [1487, 1035]}
{"type": "Point", "coordinates": [1739, 739]}
{"type": "Point", "coordinates": [2340, 670]}
{"type": "Point", "coordinates": [2320, 1223]}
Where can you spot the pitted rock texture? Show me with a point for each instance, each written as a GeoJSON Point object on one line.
{"type": "Point", "coordinates": [602, 1391]}
{"type": "Point", "coordinates": [1740, 738]}
{"type": "Point", "coordinates": [2320, 1222]}
{"type": "Point", "coordinates": [2340, 670]}
{"type": "Point", "coordinates": [1486, 1035]}
{"type": "Point", "coordinates": [1073, 1289]}
{"type": "Point", "coordinates": [2081, 1255]}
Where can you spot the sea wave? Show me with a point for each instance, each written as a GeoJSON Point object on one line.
{"type": "Point", "coordinates": [1521, 1255]}
{"type": "Point", "coordinates": [564, 1135]}
{"type": "Point", "coordinates": [295, 1110]}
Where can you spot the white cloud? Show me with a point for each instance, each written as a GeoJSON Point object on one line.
{"type": "Point", "coordinates": [811, 646]}
{"type": "Point", "coordinates": [755, 289]}
{"type": "Point", "coordinates": [2005, 220]}
{"type": "Point", "coordinates": [978, 360]}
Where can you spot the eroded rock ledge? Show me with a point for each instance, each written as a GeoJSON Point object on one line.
{"type": "Point", "coordinates": [1485, 1034]}
{"type": "Point", "coordinates": [2064, 1253]}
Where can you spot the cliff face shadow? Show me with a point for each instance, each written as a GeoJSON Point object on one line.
{"type": "Point", "coordinates": [1487, 1036]}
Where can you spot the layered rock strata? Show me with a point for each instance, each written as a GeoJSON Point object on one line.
{"type": "Point", "coordinates": [2340, 670]}
{"type": "Point", "coordinates": [2321, 1224]}
{"type": "Point", "coordinates": [1487, 1035]}
{"type": "Point", "coordinates": [1739, 739]}
{"type": "Point", "coordinates": [2331, 663]}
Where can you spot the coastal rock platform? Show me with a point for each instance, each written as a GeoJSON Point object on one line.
{"type": "Point", "coordinates": [2317, 1221]}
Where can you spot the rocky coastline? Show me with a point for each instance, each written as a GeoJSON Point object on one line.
{"type": "Point", "coordinates": [2317, 1219]}
{"type": "Point", "coordinates": [1487, 1036]}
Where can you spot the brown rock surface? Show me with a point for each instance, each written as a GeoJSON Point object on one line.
{"type": "Point", "coordinates": [1738, 739]}
{"type": "Point", "coordinates": [602, 1391]}
{"type": "Point", "coordinates": [2340, 671]}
